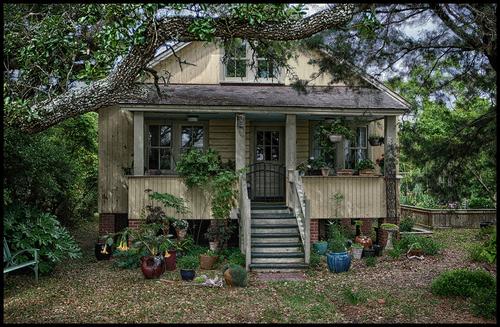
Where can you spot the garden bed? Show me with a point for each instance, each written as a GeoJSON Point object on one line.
{"type": "Point", "coordinates": [394, 290]}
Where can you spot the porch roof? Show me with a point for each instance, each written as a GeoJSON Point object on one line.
{"type": "Point", "coordinates": [324, 97]}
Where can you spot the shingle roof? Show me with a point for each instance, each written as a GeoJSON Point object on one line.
{"type": "Point", "coordinates": [269, 96]}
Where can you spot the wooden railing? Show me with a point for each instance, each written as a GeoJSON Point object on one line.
{"type": "Point", "coordinates": [357, 196]}
{"type": "Point", "coordinates": [196, 201]}
{"type": "Point", "coordinates": [299, 204]}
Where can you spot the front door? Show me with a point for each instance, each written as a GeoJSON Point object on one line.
{"type": "Point", "coordinates": [267, 174]}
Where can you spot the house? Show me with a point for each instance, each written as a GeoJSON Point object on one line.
{"type": "Point", "coordinates": [263, 124]}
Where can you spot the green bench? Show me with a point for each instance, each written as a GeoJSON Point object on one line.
{"type": "Point", "coordinates": [11, 260]}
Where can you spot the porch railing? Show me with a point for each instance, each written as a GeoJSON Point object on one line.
{"type": "Point", "coordinates": [300, 205]}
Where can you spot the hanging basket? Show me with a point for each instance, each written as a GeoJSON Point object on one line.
{"type": "Point", "coordinates": [335, 138]}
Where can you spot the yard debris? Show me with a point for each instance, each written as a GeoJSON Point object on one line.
{"type": "Point", "coordinates": [381, 301]}
{"type": "Point", "coordinates": [421, 257]}
{"type": "Point", "coordinates": [215, 282]}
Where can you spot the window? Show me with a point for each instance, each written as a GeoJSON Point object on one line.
{"type": "Point", "coordinates": [236, 65]}
{"type": "Point", "coordinates": [356, 150]}
{"type": "Point", "coordinates": [191, 137]}
{"type": "Point", "coordinates": [160, 147]}
{"type": "Point", "coordinates": [265, 67]}
{"type": "Point", "coordinates": [268, 146]}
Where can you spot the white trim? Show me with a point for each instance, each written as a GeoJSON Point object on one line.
{"type": "Point", "coordinates": [167, 53]}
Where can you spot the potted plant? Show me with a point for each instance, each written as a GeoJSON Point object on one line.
{"type": "Point", "coordinates": [218, 233]}
{"type": "Point", "coordinates": [337, 258]}
{"type": "Point", "coordinates": [365, 167]}
{"type": "Point", "coordinates": [357, 250]}
{"type": "Point", "coordinates": [368, 252]}
{"type": "Point", "coordinates": [103, 248]}
{"type": "Point", "coordinates": [375, 140]}
{"type": "Point", "coordinates": [188, 265]}
{"type": "Point", "coordinates": [390, 228]}
{"type": "Point", "coordinates": [325, 170]}
{"type": "Point", "coordinates": [235, 275]}
{"type": "Point", "coordinates": [345, 172]}
{"type": "Point", "coordinates": [316, 165]}
{"type": "Point", "coordinates": [208, 259]}
{"type": "Point", "coordinates": [181, 226]}
{"type": "Point", "coordinates": [336, 130]}
{"type": "Point", "coordinates": [320, 247]}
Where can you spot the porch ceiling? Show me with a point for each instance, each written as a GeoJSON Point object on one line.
{"type": "Point", "coordinates": [259, 98]}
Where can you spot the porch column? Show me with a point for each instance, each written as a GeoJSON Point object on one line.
{"type": "Point", "coordinates": [239, 133]}
{"type": "Point", "coordinates": [391, 169]}
{"type": "Point", "coordinates": [138, 143]}
{"type": "Point", "coordinates": [290, 150]}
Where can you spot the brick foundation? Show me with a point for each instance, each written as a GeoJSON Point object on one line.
{"type": "Point", "coordinates": [314, 223]}
{"type": "Point", "coordinates": [112, 222]}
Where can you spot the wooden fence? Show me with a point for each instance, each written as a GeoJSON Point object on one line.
{"type": "Point", "coordinates": [445, 218]}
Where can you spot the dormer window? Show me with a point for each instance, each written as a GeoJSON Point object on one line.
{"type": "Point", "coordinates": [237, 67]}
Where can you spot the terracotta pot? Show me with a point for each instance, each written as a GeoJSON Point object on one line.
{"type": "Point", "coordinates": [228, 278]}
{"type": "Point", "coordinates": [170, 260]}
{"type": "Point", "coordinates": [366, 241]}
{"type": "Point", "coordinates": [152, 267]}
{"type": "Point", "coordinates": [325, 171]}
{"type": "Point", "coordinates": [366, 172]}
{"type": "Point", "coordinates": [181, 233]}
{"type": "Point", "coordinates": [207, 261]}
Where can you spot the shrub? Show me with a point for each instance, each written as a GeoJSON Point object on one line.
{"type": "Point", "coordinates": [371, 261]}
{"type": "Point", "coordinates": [188, 262]}
{"type": "Point", "coordinates": [396, 252]}
{"type": "Point", "coordinates": [428, 244]}
{"type": "Point", "coordinates": [196, 250]}
{"type": "Point", "coordinates": [486, 252]}
{"type": "Point", "coordinates": [353, 296]}
{"type": "Point", "coordinates": [239, 275]}
{"type": "Point", "coordinates": [336, 240]}
{"type": "Point", "coordinates": [129, 259]}
{"type": "Point", "coordinates": [26, 227]}
{"type": "Point", "coordinates": [314, 260]}
{"type": "Point", "coordinates": [484, 303]}
{"type": "Point", "coordinates": [461, 282]}
{"type": "Point", "coordinates": [406, 224]}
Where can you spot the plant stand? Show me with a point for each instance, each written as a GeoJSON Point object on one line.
{"type": "Point", "coordinates": [389, 245]}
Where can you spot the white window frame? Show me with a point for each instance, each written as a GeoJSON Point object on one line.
{"type": "Point", "coordinates": [348, 147]}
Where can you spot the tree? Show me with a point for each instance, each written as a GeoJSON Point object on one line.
{"type": "Point", "coordinates": [97, 34]}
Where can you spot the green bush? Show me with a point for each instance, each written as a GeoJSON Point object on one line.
{"type": "Point", "coordinates": [429, 245]}
{"type": "Point", "coordinates": [406, 224]}
{"type": "Point", "coordinates": [232, 255]}
{"type": "Point", "coordinates": [314, 260]}
{"type": "Point", "coordinates": [336, 239]}
{"type": "Point", "coordinates": [129, 259]}
{"type": "Point", "coordinates": [461, 282]}
{"type": "Point", "coordinates": [486, 252]}
{"type": "Point", "coordinates": [26, 227]}
{"type": "Point", "coordinates": [188, 262]}
{"type": "Point", "coordinates": [196, 250]}
{"type": "Point", "coordinates": [484, 303]}
{"type": "Point", "coordinates": [371, 261]}
{"type": "Point", "coordinates": [353, 296]}
{"type": "Point", "coordinates": [396, 252]}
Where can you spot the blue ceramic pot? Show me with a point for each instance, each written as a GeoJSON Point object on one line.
{"type": "Point", "coordinates": [187, 274]}
{"type": "Point", "coordinates": [320, 247]}
{"type": "Point", "coordinates": [338, 262]}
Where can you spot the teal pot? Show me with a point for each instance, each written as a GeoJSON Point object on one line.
{"type": "Point", "coordinates": [338, 262]}
{"type": "Point", "coordinates": [187, 274]}
{"type": "Point", "coordinates": [320, 247]}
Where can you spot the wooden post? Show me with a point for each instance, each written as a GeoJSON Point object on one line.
{"type": "Point", "coordinates": [390, 168]}
{"type": "Point", "coordinates": [138, 143]}
{"type": "Point", "coordinates": [307, 222]}
{"type": "Point", "coordinates": [239, 164]}
{"type": "Point", "coordinates": [290, 149]}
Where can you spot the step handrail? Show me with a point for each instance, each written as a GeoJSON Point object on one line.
{"type": "Point", "coordinates": [299, 203]}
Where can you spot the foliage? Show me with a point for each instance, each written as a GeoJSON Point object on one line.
{"type": "Point", "coordinates": [188, 262]}
{"type": "Point", "coordinates": [354, 296]}
{"type": "Point", "coordinates": [224, 193]}
{"type": "Point", "coordinates": [146, 238]}
{"type": "Point", "coordinates": [427, 244]}
{"type": "Point", "coordinates": [184, 246]}
{"type": "Point", "coordinates": [316, 163]}
{"type": "Point", "coordinates": [128, 259]}
{"type": "Point", "coordinates": [197, 167]}
{"type": "Point", "coordinates": [239, 275]}
{"type": "Point", "coordinates": [221, 231]}
{"type": "Point", "coordinates": [180, 223]}
{"type": "Point", "coordinates": [170, 201]}
{"type": "Point", "coordinates": [357, 246]}
{"type": "Point", "coordinates": [462, 282]}
{"type": "Point", "coordinates": [233, 255]}
{"type": "Point", "coordinates": [487, 251]}
{"type": "Point", "coordinates": [54, 171]}
{"type": "Point", "coordinates": [484, 303]}
{"type": "Point", "coordinates": [336, 240]}
{"type": "Point", "coordinates": [27, 227]}
{"type": "Point", "coordinates": [395, 253]}
{"type": "Point", "coordinates": [371, 261]}
{"type": "Point", "coordinates": [314, 260]}
{"type": "Point", "coordinates": [365, 164]}
{"type": "Point", "coordinates": [406, 224]}
{"type": "Point", "coordinates": [389, 226]}
{"type": "Point", "coordinates": [338, 127]}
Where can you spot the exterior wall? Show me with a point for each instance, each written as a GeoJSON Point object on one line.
{"type": "Point", "coordinates": [208, 69]}
{"type": "Point", "coordinates": [302, 141]}
{"type": "Point", "coordinates": [441, 218]}
{"type": "Point", "coordinates": [116, 150]}
{"type": "Point", "coordinates": [221, 138]}
{"type": "Point", "coordinates": [364, 196]}
{"type": "Point", "coordinates": [198, 205]}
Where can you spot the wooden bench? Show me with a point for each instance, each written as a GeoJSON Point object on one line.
{"type": "Point", "coordinates": [11, 260]}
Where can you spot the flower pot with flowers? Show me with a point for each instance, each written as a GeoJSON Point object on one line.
{"type": "Point", "coordinates": [365, 167]}
{"type": "Point", "coordinates": [181, 226]}
{"type": "Point", "coordinates": [208, 259]}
